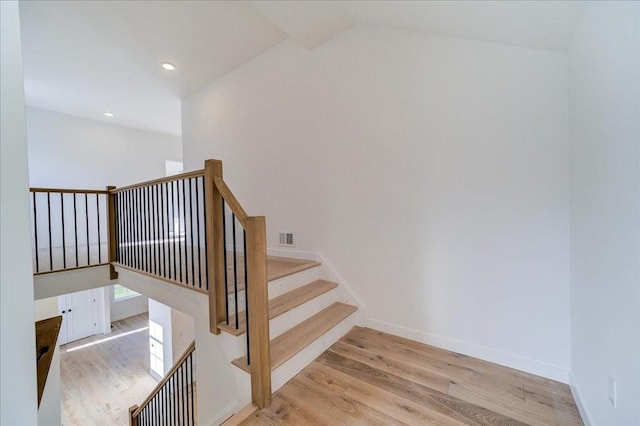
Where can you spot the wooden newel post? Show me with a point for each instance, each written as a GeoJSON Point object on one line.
{"type": "Point", "coordinates": [215, 244]}
{"type": "Point", "coordinates": [112, 233]}
{"type": "Point", "coordinates": [258, 311]}
{"type": "Point", "coordinates": [133, 421]}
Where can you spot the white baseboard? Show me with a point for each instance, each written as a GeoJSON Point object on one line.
{"type": "Point", "coordinates": [294, 254]}
{"type": "Point", "coordinates": [577, 397]}
{"type": "Point", "coordinates": [492, 355]}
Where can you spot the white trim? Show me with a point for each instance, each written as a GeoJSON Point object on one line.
{"type": "Point", "coordinates": [293, 254]}
{"type": "Point", "coordinates": [517, 362]}
{"type": "Point", "coordinates": [577, 397]}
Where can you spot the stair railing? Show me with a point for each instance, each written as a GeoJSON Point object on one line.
{"type": "Point", "coordinates": [252, 257]}
{"type": "Point", "coordinates": [173, 400]}
{"type": "Point", "coordinates": [159, 229]}
{"type": "Point", "coordinates": [184, 229]}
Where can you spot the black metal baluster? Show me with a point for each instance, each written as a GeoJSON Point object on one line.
{"type": "Point", "coordinates": [49, 222]}
{"type": "Point", "coordinates": [184, 224]}
{"type": "Point", "coordinates": [235, 266]}
{"type": "Point", "coordinates": [145, 229]}
{"type": "Point", "coordinates": [164, 406]}
{"type": "Point", "coordinates": [181, 372]}
{"type": "Point", "coordinates": [154, 218]}
{"type": "Point", "coordinates": [191, 227]}
{"type": "Point", "coordinates": [246, 294]}
{"type": "Point", "coordinates": [140, 235]}
{"type": "Point", "coordinates": [117, 219]}
{"type": "Point", "coordinates": [162, 234]}
{"type": "Point", "coordinates": [199, 236]}
{"type": "Point", "coordinates": [64, 248]}
{"type": "Point", "coordinates": [193, 414]}
{"type": "Point", "coordinates": [75, 226]}
{"type": "Point", "coordinates": [99, 240]}
{"type": "Point", "coordinates": [134, 230]}
{"type": "Point", "coordinates": [174, 221]}
{"type": "Point", "coordinates": [86, 218]}
{"type": "Point", "coordinates": [129, 231]}
{"type": "Point", "coordinates": [173, 224]}
{"type": "Point", "coordinates": [148, 217]}
{"type": "Point", "coordinates": [174, 398]}
{"type": "Point", "coordinates": [35, 230]}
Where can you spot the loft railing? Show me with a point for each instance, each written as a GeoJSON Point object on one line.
{"type": "Point", "coordinates": [173, 401]}
{"type": "Point", "coordinates": [187, 229]}
{"type": "Point", "coordinates": [69, 229]}
{"type": "Point", "coordinates": [160, 229]}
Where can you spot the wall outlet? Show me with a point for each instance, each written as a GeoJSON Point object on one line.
{"type": "Point", "coordinates": [613, 392]}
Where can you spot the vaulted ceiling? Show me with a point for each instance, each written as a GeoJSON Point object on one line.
{"type": "Point", "coordinates": [86, 57]}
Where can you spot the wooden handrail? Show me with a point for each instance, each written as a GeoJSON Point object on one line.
{"type": "Point", "coordinates": [166, 378]}
{"type": "Point", "coordinates": [231, 201]}
{"type": "Point", "coordinates": [69, 190]}
{"type": "Point", "coordinates": [181, 176]}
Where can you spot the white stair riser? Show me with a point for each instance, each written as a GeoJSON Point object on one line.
{"type": "Point", "coordinates": [293, 281]}
{"type": "Point", "coordinates": [298, 362]}
{"type": "Point", "coordinates": [289, 319]}
{"type": "Point", "coordinates": [280, 286]}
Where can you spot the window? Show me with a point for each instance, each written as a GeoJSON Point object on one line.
{"type": "Point", "coordinates": [121, 292]}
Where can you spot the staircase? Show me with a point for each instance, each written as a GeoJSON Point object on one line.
{"type": "Point", "coordinates": [307, 314]}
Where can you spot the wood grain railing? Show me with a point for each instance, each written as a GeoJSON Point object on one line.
{"type": "Point", "coordinates": [229, 279]}
{"type": "Point", "coordinates": [173, 400]}
{"type": "Point", "coordinates": [68, 229]}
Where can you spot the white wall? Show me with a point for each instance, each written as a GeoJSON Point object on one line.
{"type": "Point", "coordinates": [72, 152]}
{"type": "Point", "coordinates": [125, 308]}
{"type": "Point", "coordinates": [431, 171]}
{"type": "Point", "coordinates": [604, 106]}
{"type": "Point", "coordinates": [182, 332]}
{"type": "Point", "coordinates": [18, 395]}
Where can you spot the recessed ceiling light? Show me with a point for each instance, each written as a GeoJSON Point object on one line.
{"type": "Point", "coordinates": [108, 114]}
{"type": "Point", "coordinates": [168, 66]}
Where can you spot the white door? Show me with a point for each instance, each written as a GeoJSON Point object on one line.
{"type": "Point", "coordinates": [79, 315]}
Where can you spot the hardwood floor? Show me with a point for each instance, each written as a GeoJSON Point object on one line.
{"type": "Point", "coordinates": [103, 375]}
{"type": "Point", "coordinates": [370, 377]}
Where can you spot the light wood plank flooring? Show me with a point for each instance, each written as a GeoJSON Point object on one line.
{"type": "Point", "coordinates": [369, 377]}
{"type": "Point", "coordinates": [103, 375]}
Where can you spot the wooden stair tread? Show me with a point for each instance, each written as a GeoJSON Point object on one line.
{"type": "Point", "coordinates": [281, 304]}
{"type": "Point", "coordinates": [277, 267]}
{"type": "Point", "coordinates": [297, 338]}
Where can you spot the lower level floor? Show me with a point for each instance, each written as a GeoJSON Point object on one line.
{"type": "Point", "coordinates": [103, 375]}
{"type": "Point", "coordinates": [369, 377]}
